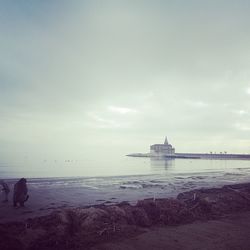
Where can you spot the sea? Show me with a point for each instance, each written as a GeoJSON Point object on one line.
{"type": "Point", "coordinates": [115, 179]}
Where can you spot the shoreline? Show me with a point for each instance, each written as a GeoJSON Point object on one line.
{"type": "Point", "coordinates": [56, 194]}
{"type": "Point", "coordinates": [105, 223]}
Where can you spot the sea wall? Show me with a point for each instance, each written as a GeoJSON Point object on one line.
{"type": "Point", "coordinates": [212, 156]}
{"type": "Point", "coordinates": [196, 156]}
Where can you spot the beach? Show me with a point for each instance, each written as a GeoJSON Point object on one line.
{"type": "Point", "coordinates": [206, 218]}
{"type": "Point", "coordinates": [125, 125]}
{"type": "Point", "coordinates": [231, 232]}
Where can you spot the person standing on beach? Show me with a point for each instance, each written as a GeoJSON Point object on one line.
{"type": "Point", "coordinates": [20, 192]}
{"type": "Point", "coordinates": [5, 189]}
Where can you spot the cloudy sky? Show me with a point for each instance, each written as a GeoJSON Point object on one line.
{"type": "Point", "coordinates": [80, 77]}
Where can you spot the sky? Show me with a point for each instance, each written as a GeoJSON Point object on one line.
{"type": "Point", "coordinates": [95, 77]}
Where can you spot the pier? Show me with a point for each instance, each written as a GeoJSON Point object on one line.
{"type": "Point", "coordinates": [211, 156]}
{"type": "Point", "coordinates": [166, 150]}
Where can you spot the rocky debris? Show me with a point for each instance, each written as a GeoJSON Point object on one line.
{"type": "Point", "coordinates": [174, 212]}
{"type": "Point", "coordinates": [90, 219]}
{"type": "Point", "coordinates": [48, 221]}
{"type": "Point", "coordinates": [117, 214]}
{"type": "Point", "coordinates": [152, 209]}
{"type": "Point", "coordinates": [217, 201]}
{"type": "Point", "coordinates": [139, 216]}
{"type": "Point", "coordinates": [166, 211]}
{"type": "Point", "coordinates": [80, 228]}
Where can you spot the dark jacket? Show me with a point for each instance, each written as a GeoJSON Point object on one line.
{"type": "Point", "coordinates": [20, 191]}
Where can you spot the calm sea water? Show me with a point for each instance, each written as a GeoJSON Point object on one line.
{"type": "Point", "coordinates": [91, 181]}
{"type": "Point", "coordinates": [128, 166]}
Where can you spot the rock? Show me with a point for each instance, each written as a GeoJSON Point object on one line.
{"type": "Point", "coordinates": [172, 211]}
{"type": "Point", "coordinates": [136, 216]}
{"type": "Point", "coordinates": [209, 200]}
{"type": "Point", "coordinates": [141, 217]}
{"type": "Point", "coordinates": [151, 208]}
{"type": "Point", "coordinates": [95, 217]}
{"type": "Point", "coordinates": [117, 214]}
{"type": "Point", "coordinates": [46, 222]}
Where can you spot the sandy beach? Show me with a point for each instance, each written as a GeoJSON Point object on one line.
{"type": "Point", "coordinates": [231, 232]}
{"type": "Point", "coordinates": [215, 218]}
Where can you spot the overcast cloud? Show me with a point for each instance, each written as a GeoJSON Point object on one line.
{"type": "Point", "coordinates": [77, 77]}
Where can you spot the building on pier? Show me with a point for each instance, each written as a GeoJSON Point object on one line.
{"type": "Point", "coordinates": [162, 150]}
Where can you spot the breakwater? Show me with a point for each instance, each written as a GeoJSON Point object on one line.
{"type": "Point", "coordinates": [212, 156]}
{"type": "Point", "coordinates": [196, 156]}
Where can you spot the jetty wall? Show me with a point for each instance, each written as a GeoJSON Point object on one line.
{"type": "Point", "coordinates": [212, 156]}
{"type": "Point", "coordinates": [196, 156]}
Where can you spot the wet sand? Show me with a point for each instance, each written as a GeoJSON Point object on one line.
{"type": "Point", "coordinates": [40, 203]}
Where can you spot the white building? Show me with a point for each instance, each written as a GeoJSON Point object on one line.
{"type": "Point", "coordinates": [165, 149]}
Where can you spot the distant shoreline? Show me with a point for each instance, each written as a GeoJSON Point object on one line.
{"type": "Point", "coordinates": [194, 156]}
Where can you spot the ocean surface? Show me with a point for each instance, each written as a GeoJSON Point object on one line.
{"type": "Point", "coordinates": [126, 178]}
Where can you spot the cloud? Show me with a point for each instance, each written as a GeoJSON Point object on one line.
{"type": "Point", "coordinates": [104, 121]}
{"type": "Point", "coordinates": [100, 122]}
{"type": "Point", "coordinates": [241, 112]}
{"type": "Point", "coordinates": [121, 110]}
{"type": "Point", "coordinates": [133, 68]}
{"type": "Point", "coordinates": [197, 104]}
{"type": "Point", "coordinates": [242, 126]}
